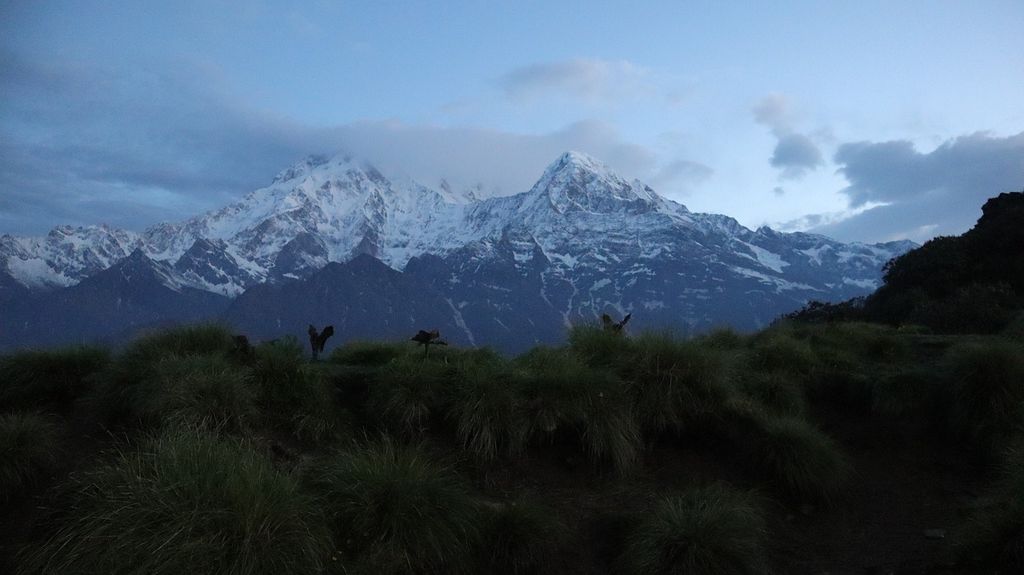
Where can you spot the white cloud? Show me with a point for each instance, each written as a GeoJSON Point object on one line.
{"type": "Point", "coordinates": [589, 80]}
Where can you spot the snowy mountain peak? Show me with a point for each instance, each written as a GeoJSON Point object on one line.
{"type": "Point", "coordinates": [576, 182]}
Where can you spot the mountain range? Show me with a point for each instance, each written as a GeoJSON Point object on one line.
{"type": "Point", "coordinates": [334, 241]}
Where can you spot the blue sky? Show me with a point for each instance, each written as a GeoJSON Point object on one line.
{"type": "Point", "coordinates": [863, 120]}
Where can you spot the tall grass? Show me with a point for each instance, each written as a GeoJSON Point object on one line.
{"type": "Point", "coordinates": [369, 354]}
{"type": "Point", "coordinates": [564, 394]}
{"type": "Point", "coordinates": [995, 532]}
{"type": "Point", "coordinates": [520, 538]}
{"type": "Point", "coordinates": [294, 394]}
{"type": "Point", "coordinates": [29, 451]}
{"type": "Point", "coordinates": [987, 392]}
{"type": "Point", "coordinates": [676, 383]}
{"type": "Point", "coordinates": [53, 378]}
{"type": "Point", "coordinates": [799, 459]}
{"type": "Point", "coordinates": [185, 502]}
{"type": "Point", "coordinates": [409, 393]}
{"type": "Point", "coordinates": [487, 409]}
{"type": "Point", "coordinates": [779, 350]}
{"type": "Point", "coordinates": [776, 392]}
{"type": "Point", "coordinates": [395, 511]}
{"type": "Point", "coordinates": [202, 390]}
{"type": "Point", "coordinates": [712, 530]}
{"type": "Point", "coordinates": [599, 347]}
{"type": "Point", "coordinates": [116, 391]}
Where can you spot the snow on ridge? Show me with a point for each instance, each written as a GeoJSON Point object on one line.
{"type": "Point", "coordinates": [577, 208]}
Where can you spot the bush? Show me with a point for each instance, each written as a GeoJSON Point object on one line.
{"type": "Point", "coordinates": [712, 530]}
{"type": "Point", "coordinates": [186, 502]}
{"type": "Point", "coordinates": [370, 354]}
{"type": "Point", "coordinates": [995, 536]}
{"type": "Point", "coordinates": [54, 378]}
{"type": "Point", "coordinates": [394, 511]}
{"type": "Point", "coordinates": [520, 538]}
{"type": "Point", "coordinates": [196, 390]}
{"type": "Point", "coordinates": [29, 451]}
{"type": "Point", "coordinates": [987, 387]}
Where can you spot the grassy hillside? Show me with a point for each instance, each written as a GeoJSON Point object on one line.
{"type": "Point", "coordinates": [802, 448]}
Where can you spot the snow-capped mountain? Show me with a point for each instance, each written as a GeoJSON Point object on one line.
{"type": "Point", "coordinates": [581, 241]}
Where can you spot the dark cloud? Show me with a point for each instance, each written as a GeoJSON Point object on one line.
{"type": "Point", "coordinates": [82, 144]}
{"type": "Point", "coordinates": [924, 194]}
{"type": "Point", "coordinates": [795, 153]}
{"type": "Point", "coordinates": [773, 111]}
{"type": "Point", "coordinates": [895, 171]}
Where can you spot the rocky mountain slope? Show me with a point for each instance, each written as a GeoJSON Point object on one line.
{"type": "Point", "coordinates": [505, 271]}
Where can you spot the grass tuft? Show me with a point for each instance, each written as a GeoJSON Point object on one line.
{"type": "Point", "coordinates": [29, 451]}
{"type": "Point", "coordinates": [987, 389]}
{"type": "Point", "coordinates": [487, 409]}
{"type": "Point", "coordinates": [200, 390]}
{"type": "Point", "coordinates": [368, 354]}
{"type": "Point", "coordinates": [564, 394]}
{"type": "Point", "coordinates": [676, 383]}
{"type": "Point", "coordinates": [599, 347]}
{"type": "Point", "coordinates": [802, 461]}
{"type": "Point", "coordinates": [778, 393]}
{"type": "Point", "coordinates": [520, 538]}
{"type": "Point", "coordinates": [712, 530]}
{"type": "Point", "coordinates": [294, 394]}
{"type": "Point", "coordinates": [185, 502]}
{"type": "Point", "coordinates": [995, 536]}
{"type": "Point", "coordinates": [408, 393]}
{"type": "Point", "coordinates": [53, 378]}
{"type": "Point", "coordinates": [395, 511]}
{"type": "Point", "coordinates": [115, 395]}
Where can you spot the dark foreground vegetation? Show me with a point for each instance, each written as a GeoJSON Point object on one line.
{"type": "Point", "coordinates": [647, 454]}
{"type": "Point", "coordinates": [817, 445]}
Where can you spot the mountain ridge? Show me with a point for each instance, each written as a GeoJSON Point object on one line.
{"type": "Point", "coordinates": [581, 241]}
